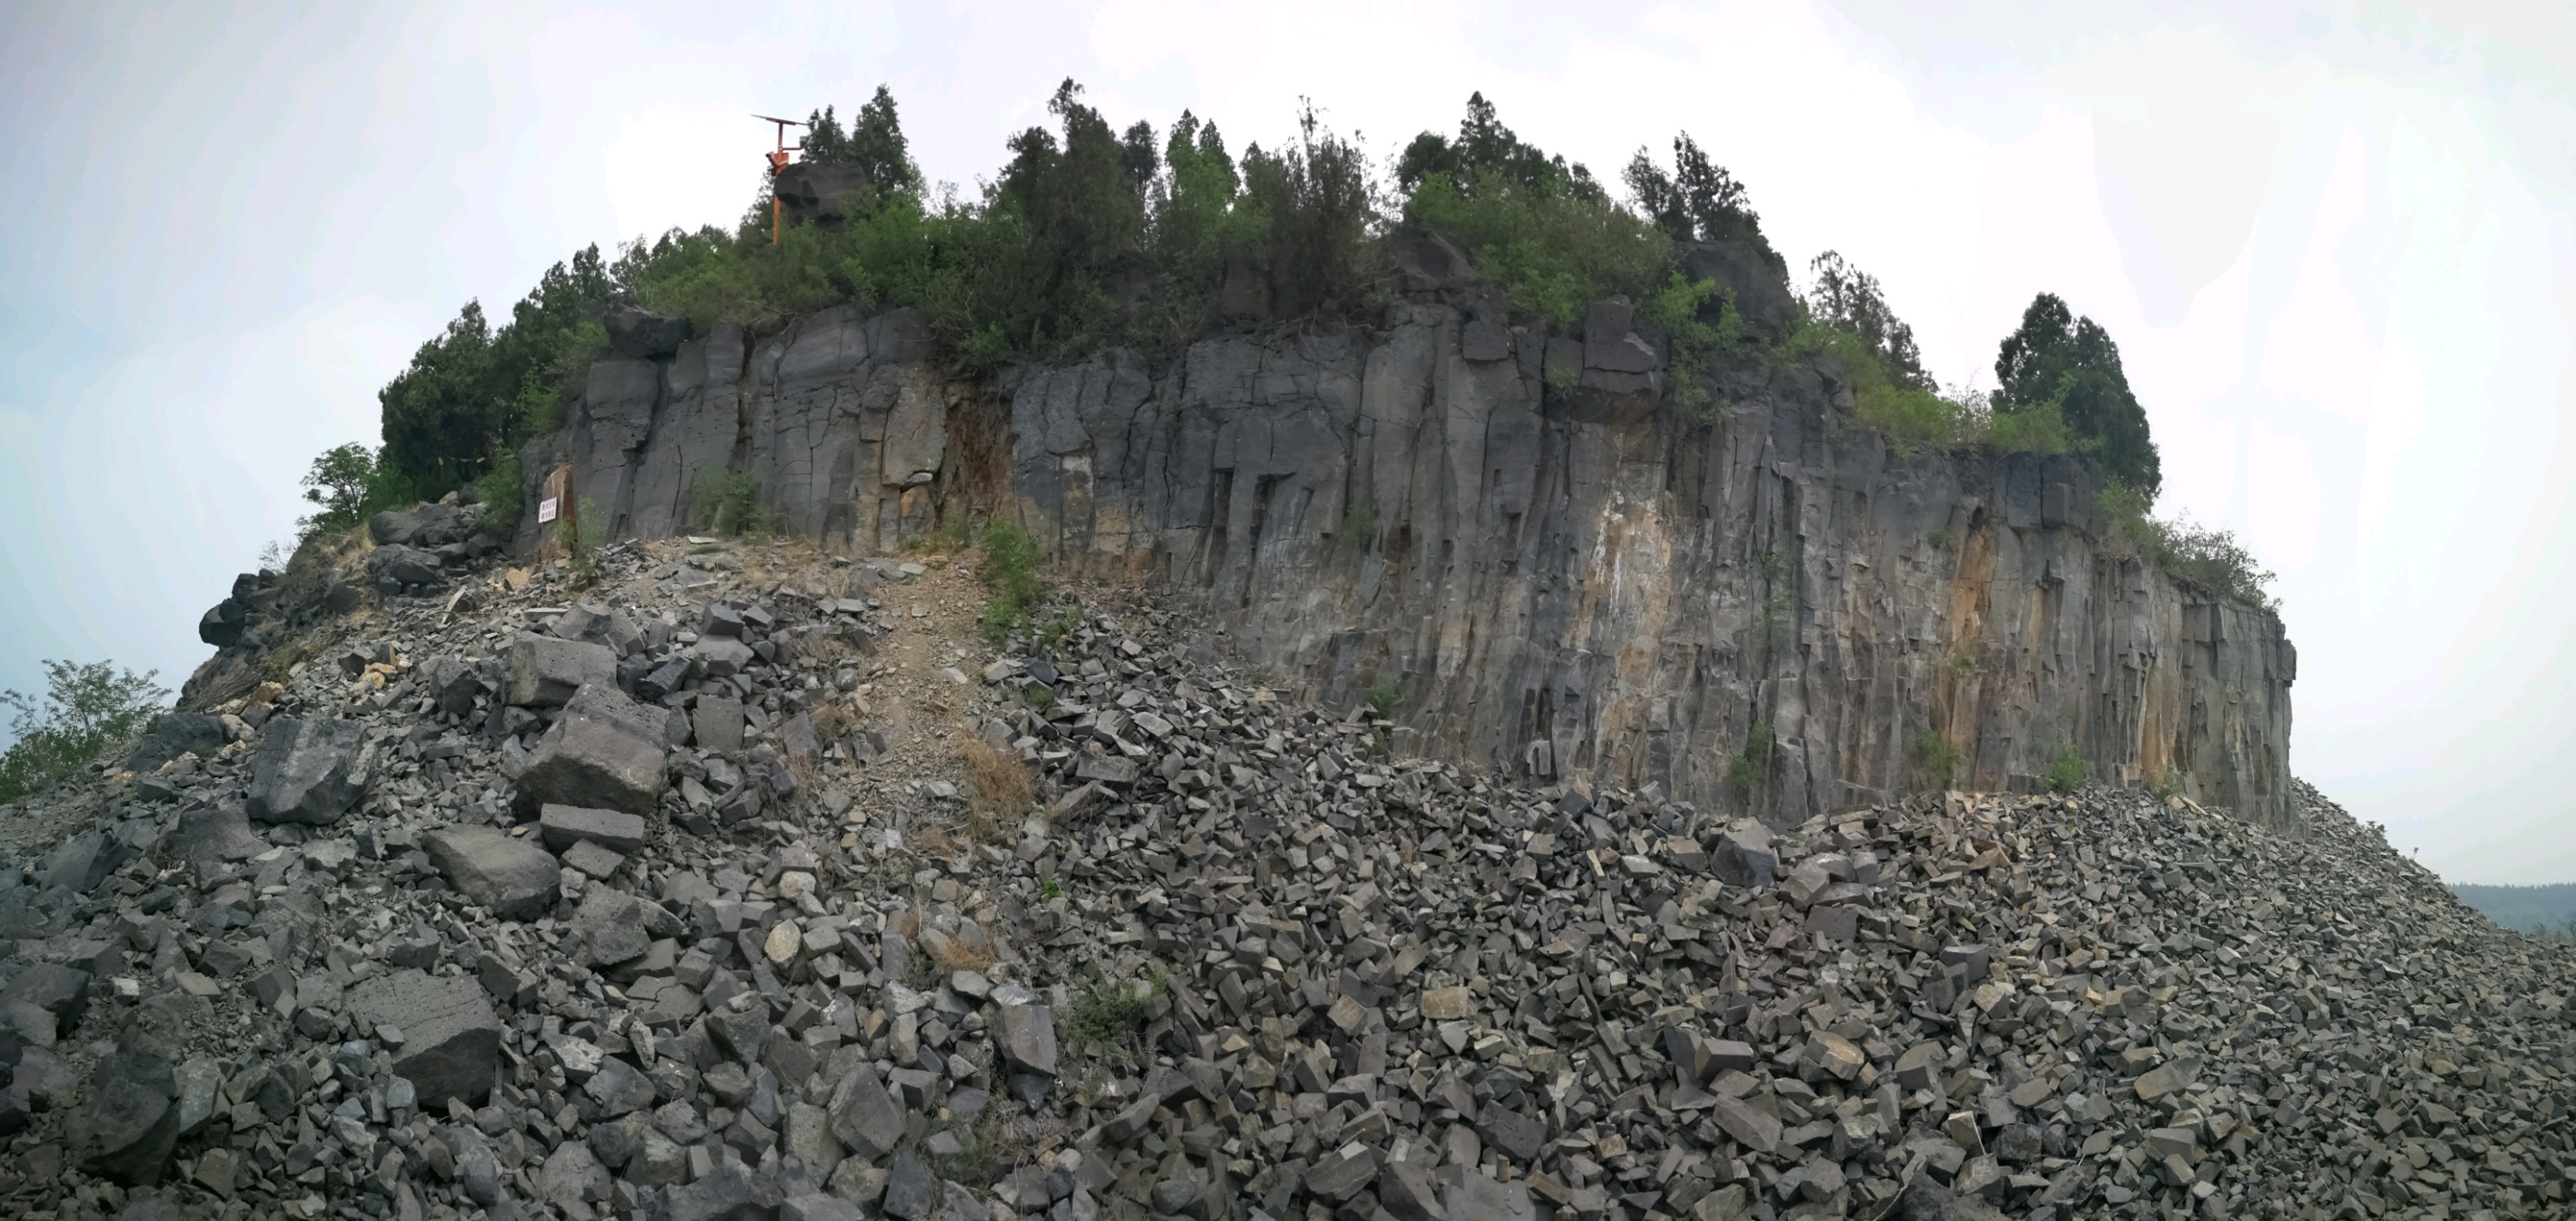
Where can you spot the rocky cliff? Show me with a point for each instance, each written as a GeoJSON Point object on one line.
{"type": "Point", "coordinates": [1554, 569]}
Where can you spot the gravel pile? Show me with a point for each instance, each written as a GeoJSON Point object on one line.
{"type": "Point", "coordinates": [742, 882]}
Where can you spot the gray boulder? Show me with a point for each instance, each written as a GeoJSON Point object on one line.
{"type": "Point", "coordinates": [544, 671]}
{"type": "Point", "coordinates": [451, 1038]}
{"type": "Point", "coordinates": [306, 771]}
{"type": "Point", "coordinates": [613, 926]}
{"type": "Point", "coordinates": [724, 1194]}
{"type": "Point", "coordinates": [176, 734]}
{"type": "Point", "coordinates": [57, 992]}
{"type": "Point", "coordinates": [224, 624]}
{"type": "Point", "coordinates": [393, 567]}
{"type": "Point", "coordinates": [604, 752]}
{"type": "Point", "coordinates": [513, 877]}
{"type": "Point", "coordinates": [571, 1176]}
{"type": "Point", "coordinates": [454, 684]}
{"type": "Point", "coordinates": [85, 860]}
{"type": "Point", "coordinates": [127, 1121]}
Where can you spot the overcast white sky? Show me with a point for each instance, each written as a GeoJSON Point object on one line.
{"type": "Point", "coordinates": [2334, 244]}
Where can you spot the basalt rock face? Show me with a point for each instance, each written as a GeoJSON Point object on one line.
{"type": "Point", "coordinates": [840, 421]}
{"type": "Point", "coordinates": [1556, 569]}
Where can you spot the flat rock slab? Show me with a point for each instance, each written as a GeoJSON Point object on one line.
{"type": "Point", "coordinates": [615, 830]}
{"type": "Point", "coordinates": [451, 1037]}
{"type": "Point", "coordinates": [513, 877]}
{"type": "Point", "coordinates": [305, 771]}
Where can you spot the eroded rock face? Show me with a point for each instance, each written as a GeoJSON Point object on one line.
{"type": "Point", "coordinates": [1587, 582]}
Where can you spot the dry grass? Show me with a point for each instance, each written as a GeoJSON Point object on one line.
{"type": "Point", "coordinates": [953, 954]}
{"type": "Point", "coordinates": [998, 785]}
{"type": "Point", "coordinates": [932, 839]}
{"type": "Point", "coordinates": [834, 721]}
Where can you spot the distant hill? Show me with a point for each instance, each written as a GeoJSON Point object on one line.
{"type": "Point", "coordinates": [2521, 907]}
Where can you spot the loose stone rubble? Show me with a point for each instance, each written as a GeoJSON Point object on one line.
{"type": "Point", "coordinates": [706, 891]}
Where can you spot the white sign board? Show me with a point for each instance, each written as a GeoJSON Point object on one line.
{"type": "Point", "coordinates": [545, 510]}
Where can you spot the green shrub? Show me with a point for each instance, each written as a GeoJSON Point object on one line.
{"type": "Point", "coordinates": [1752, 770]}
{"type": "Point", "coordinates": [501, 490]}
{"type": "Point", "coordinates": [1010, 573]}
{"type": "Point", "coordinates": [1359, 527]}
{"type": "Point", "coordinates": [86, 708]}
{"type": "Point", "coordinates": [348, 486]}
{"type": "Point", "coordinates": [580, 533]}
{"type": "Point", "coordinates": [1104, 1012]}
{"type": "Point", "coordinates": [2206, 558]}
{"type": "Point", "coordinates": [2070, 366]}
{"type": "Point", "coordinates": [1382, 695]}
{"type": "Point", "coordinates": [1679, 308]}
{"type": "Point", "coordinates": [730, 504]}
{"type": "Point", "coordinates": [2068, 771]}
{"type": "Point", "coordinates": [1935, 756]}
{"type": "Point", "coordinates": [1553, 249]}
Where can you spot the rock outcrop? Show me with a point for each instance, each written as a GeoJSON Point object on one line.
{"type": "Point", "coordinates": [1517, 536]}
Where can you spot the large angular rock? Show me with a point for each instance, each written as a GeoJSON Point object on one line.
{"type": "Point", "coordinates": [723, 1195]}
{"type": "Point", "coordinates": [544, 671]}
{"type": "Point", "coordinates": [223, 624]}
{"type": "Point", "coordinates": [176, 734]}
{"type": "Point", "coordinates": [85, 860]}
{"type": "Point", "coordinates": [605, 752]}
{"type": "Point", "coordinates": [864, 1116]}
{"type": "Point", "coordinates": [911, 1191]}
{"type": "Point", "coordinates": [718, 724]}
{"type": "Point", "coordinates": [454, 684]}
{"type": "Point", "coordinates": [516, 879]}
{"type": "Point", "coordinates": [1028, 1038]}
{"type": "Point", "coordinates": [55, 991]}
{"type": "Point", "coordinates": [128, 1119]}
{"type": "Point", "coordinates": [306, 771]}
{"type": "Point", "coordinates": [572, 1176]}
{"type": "Point", "coordinates": [614, 925]}
{"type": "Point", "coordinates": [451, 1037]}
